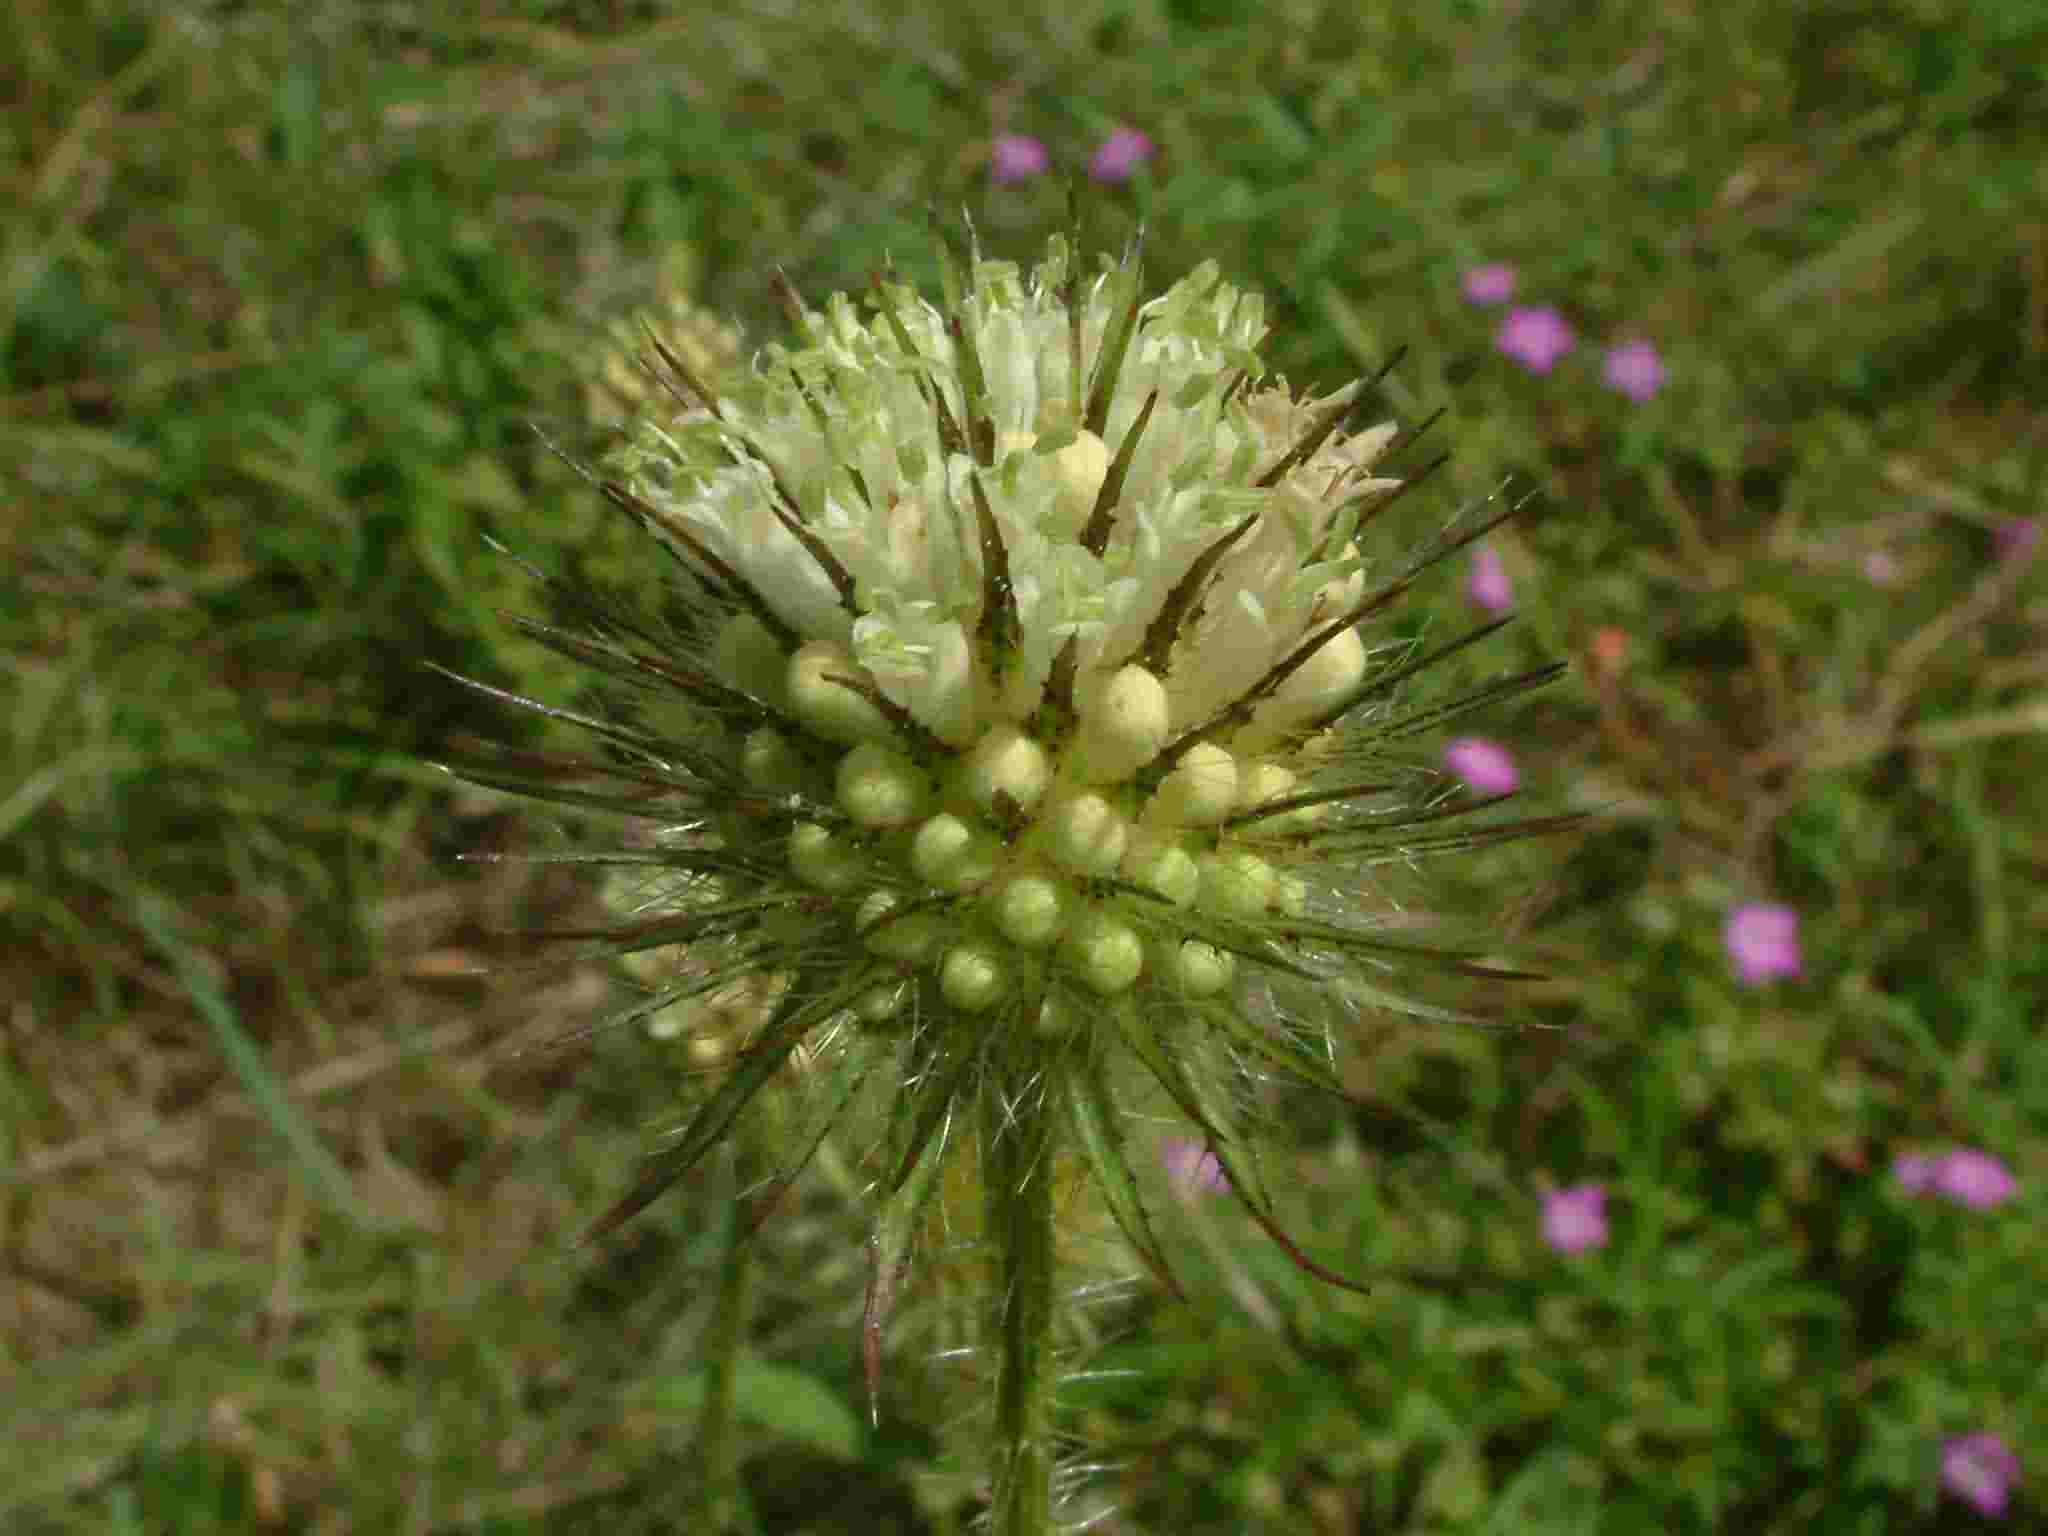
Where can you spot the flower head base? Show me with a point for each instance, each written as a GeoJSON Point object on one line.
{"type": "Point", "coordinates": [1025, 727]}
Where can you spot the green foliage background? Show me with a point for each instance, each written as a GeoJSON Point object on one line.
{"type": "Point", "coordinates": [287, 1194]}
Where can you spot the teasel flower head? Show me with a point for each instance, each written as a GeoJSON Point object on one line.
{"type": "Point", "coordinates": [1027, 747]}
{"type": "Point", "coordinates": [618, 388]}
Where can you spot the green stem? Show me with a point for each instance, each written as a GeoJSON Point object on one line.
{"type": "Point", "coordinates": [1017, 1172]}
{"type": "Point", "coordinates": [717, 1444]}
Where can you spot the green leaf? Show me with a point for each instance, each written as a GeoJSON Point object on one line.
{"type": "Point", "coordinates": [778, 1398]}
{"type": "Point", "coordinates": [245, 1056]}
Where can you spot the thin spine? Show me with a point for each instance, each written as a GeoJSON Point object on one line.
{"type": "Point", "coordinates": [1155, 651]}
{"type": "Point", "coordinates": [1109, 358]}
{"type": "Point", "coordinates": [723, 577]}
{"type": "Point", "coordinates": [1102, 518]}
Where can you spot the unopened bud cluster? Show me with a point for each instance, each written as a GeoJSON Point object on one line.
{"type": "Point", "coordinates": [1054, 863]}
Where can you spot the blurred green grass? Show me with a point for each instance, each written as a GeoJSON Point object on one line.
{"type": "Point", "coordinates": [286, 291]}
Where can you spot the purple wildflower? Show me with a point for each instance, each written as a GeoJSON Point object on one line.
{"type": "Point", "coordinates": [1192, 1168]}
{"type": "Point", "coordinates": [1016, 157]}
{"type": "Point", "coordinates": [1482, 764]}
{"type": "Point", "coordinates": [1575, 1219]}
{"type": "Point", "coordinates": [1488, 584]}
{"type": "Point", "coordinates": [1120, 154]}
{"type": "Point", "coordinates": [1635, 369]}
{"type": "Point", "coordinates": [1763, 940]}
{"type": "Point", "coordinates": [1535, 338]}
{"type": "Point", "coordinates": [1914, 1172]}
{"type": "Point", "coordinates": [1879, 568]}
{"type": "Point", "coordinates": [2016, 537]}
{"type": "Point", "coordinates": [1973, 1178]}
{"type": "Point", "coordinates": [1980, 1470]}
{"type": "Point", "coordinates": [1493, 283]}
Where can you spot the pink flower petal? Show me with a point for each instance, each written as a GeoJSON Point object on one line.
{"type": "Point", "coordinates": [1763, 941]}
{"type": "Point", "coordinates": [1575, 1219]}
{"type": "Point", "coordinates": [1973, 1178]}
{"type": "Point", "coordinates": [1191, 1167]}
{"type": "Point", "coordinates": [1119, 155]}
{"type": "Point", "coordinates": [1914, 1172]}
{"type": "Point", "coordinates": [1536, 338]}
{"type": "Point", "coordinates": [1484, 765]}
{"type": "Point", "coordinates": [1493, 283]}
{"type": "Point", "coordinates": [1980, 1470]}
{"type": "Point", "coordinates": [1016, 157]}
{"type": "Point", "coordinates": [1635, 369]}
{"type": "Point", "coordinates": [1488, 584]}
{"type": "Point", "coordinates": [2016, 537]}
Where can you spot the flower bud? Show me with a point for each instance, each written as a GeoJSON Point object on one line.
{"type": "Point", "coordinates": [880, 1004]}
{"type": "Point", "coordinates": [952, 855]}
{"type": "Point", "coordinates": [822, 861]}
{"type": "Point", "coordinates": [830, 708]}
{"type": "Point", "coordinates": [1199, 792]}
{"type": "Point", "coordinates": [1259, 782]}
{"type": "Point", "coordinates": [1162, 867]}
{"type": "Point", "coordinates": [1085, 834]}
{"type": "Point", "coordinates": [972, 977]}
{"type": "Point", "coordinates": [1059, 1015]}
{"type": "Point", "coordinates": [770, 763]}
{"type": "Point", "coordinates": [1200, 970]}
{"type": "Point", "coordinates": [1107, 955]}
{"type": "Point", "coordinates": [1237, 885]}
{"type": "Point", "coordinates": [1006, 762]}
{"type": "Point", "coordinates": [1322, 683]}
{"type": "Point", "coordinates": [1029, 910]}
{"type": "Point", "coordinates": [1081, 467]}
{"type": "Point", "coordinates": [879, 787]}
{"type": "Point", "coordinates": [913, 938]}
{"type": "Point", "coordinates": [1124, 723]}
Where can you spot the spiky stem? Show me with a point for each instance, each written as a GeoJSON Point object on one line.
{"type": "Point", "coordinates": [1017, 1151]}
